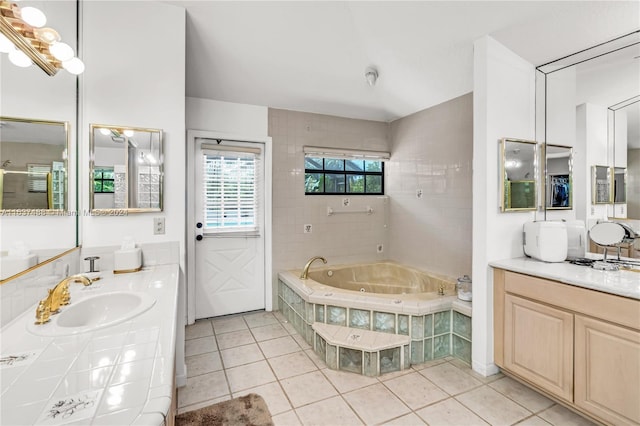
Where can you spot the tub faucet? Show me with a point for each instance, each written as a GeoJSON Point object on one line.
{"type": "Point", "coordinates": [58, 296]}
{"type": "Point", "coordinates": [305, 271]}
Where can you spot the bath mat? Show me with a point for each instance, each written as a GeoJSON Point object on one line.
{"type": "Point", "coordinates": [248, 410]}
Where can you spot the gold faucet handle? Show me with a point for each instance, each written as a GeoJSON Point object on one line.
{"type": "Point", "coordinates": [65, 297]}
{"type": "Point", "coordinates": [43, 313]}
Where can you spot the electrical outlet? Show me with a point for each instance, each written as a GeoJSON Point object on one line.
{"type": "Point", "coordinates": [158, 225]}
{"type": "Point", "coordinates": [418, 193]}
{"type": "Point", "coordinates": [308, 229]}
{"type": "Point", "coordinates": [346, 202]}
{"type": "Point", "coordinates": [379, 248]}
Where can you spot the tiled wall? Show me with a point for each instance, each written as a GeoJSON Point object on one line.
{"type": "Point", "coordinates": [343, 238]}
{"type": "Point", "coordinates": [432, 152]}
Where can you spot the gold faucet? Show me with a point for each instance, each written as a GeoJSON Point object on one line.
{"type": "Point", "coordinates": [305, 271]}
{"type": "Point", "coordinates": [58, 296]}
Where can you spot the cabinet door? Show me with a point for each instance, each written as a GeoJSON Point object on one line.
{"type": "Point", "coordinates": [538, 345]}
{"type": "Point", "coordinates": [607, 370]}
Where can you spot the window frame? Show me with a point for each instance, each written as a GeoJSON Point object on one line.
{"type": "Point", "coordinates": [344, 172]}
{"type": "Point", "coordinates": [102, 179]}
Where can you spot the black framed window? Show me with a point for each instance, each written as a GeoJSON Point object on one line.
{"type": "Point", "coordinates": [103, 180]}
{"type": "Point", "coordinates": [335, 176]}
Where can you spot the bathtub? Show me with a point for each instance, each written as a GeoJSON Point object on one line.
{"type": "Point", "coordinates": [385, 297]}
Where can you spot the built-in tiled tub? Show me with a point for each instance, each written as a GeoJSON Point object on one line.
{"type": "Point", "coordinates": [383, 297]}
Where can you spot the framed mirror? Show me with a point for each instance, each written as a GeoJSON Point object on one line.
{"type": "Point", "coordinates": [518, 169]}
{"type": "Point", "coordinates": [558, 167]}
{"type": "Point", "coordinates": [600, 185]}
{"type": "Point", "coordinates": [126, 169]}
{"type": "Point", "coordinates": [619, 185]}
{"type": "Point", "coordinates": [33, 165]}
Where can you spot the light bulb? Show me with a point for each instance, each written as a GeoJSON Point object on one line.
{"type": "Point", "coordinates": [105, 131]}
{"type": "Point", "coordinates": [128, 133]}
{"type": "Point", "coordinates": [6, 45]}
{"type": "Point", "coordinates": [33, 16]}
{"type": "Point", "coordinates": [61, 51]}
{"type": "Point", "coordinates": [18, 58]}
{"type": "Point", "coordinates": [47, 35]}
{"type": "Point", "coordinates": [74, 66]}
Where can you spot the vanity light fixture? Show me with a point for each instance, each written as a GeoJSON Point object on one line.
{"type": "Point", "coordinates": [371, 74]}
{"type": "Point", "coordinates": [23, 37]}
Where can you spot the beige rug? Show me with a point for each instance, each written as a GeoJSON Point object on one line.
{"type": "Point", "coordinates": [249, 410]}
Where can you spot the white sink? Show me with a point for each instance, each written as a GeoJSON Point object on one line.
{"type": "Point", "coordinates": [95, 312]}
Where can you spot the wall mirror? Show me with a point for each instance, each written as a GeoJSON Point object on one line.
{"type": "Point", "coordinates": [624, 120]}
{"type": "Point", "coordinates": [126, 168]}
{"type": "Point", "coordinates": [33, 165]}
{"type": "Point", "coordinates": [558, 188]}
{"type": "Point", "coordinates": [600, 185]}
{"type": "Point", "coordinates": [518, 169]}
{"type": "Point", "coordinates": [619, 185]}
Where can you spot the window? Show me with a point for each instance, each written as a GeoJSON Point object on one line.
{"type": "Point", "coordinates": [37, 174]}
{"type": "Point", "coordinates": [230, 190]}
{"type": "Point", "coordinates": [103, 180]}
{"type": "Point", "coordinates": [329, 171]}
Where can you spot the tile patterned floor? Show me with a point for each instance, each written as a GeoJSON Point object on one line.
{"type": "Point", "coordinates": [260, 352]}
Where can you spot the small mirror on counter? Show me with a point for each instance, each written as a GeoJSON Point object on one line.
{"type": "Point", "coordinates": [600, 185]}
{"type": "Point", "coordinates": [620, 185]}
{"type": "Point", "coordinates": [126, 168]}
{"type": "Point", "coordinates": [558, 187]}
{"type": "Point", "coordinates": [518, 169]}
{"type": "Point", "coordinates": [33, 165]}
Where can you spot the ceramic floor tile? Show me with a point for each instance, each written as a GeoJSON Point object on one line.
{"type": "Point", "coordinates": [428, 364]}
{"type": "Point", "coordinates": [200, 345]}
{"type": "Point", "coordinates": [200, 328]}
{"type": "Point", "coordinates": [303, 343]}
{"type": "Point", "coordinates": [332, 411]}
{"type": "Point", "coordinates": [268, 332]}
{"type": "Point", "coordinates": [450, 379]}
{"type": "Point", "coordinates": [249, 376]}
{"type": "Point", "coordinates": [288, 418]}
{"type": "Point", "coordinates": [415, 390]}
{"type": "Point", "coordinates": [260, 319]}
{"type": "Point", "coordinates": [492, 406]}
{"type": "Point", "coordinates": [203, 404]}
{"type": "Point", "coordinates": [229, 324]}
{"type": "Point", "coordinates": [375, 404]}
{"type": "Point", "coordinates": [234, 338]}
{"type": "Point", "coordinates": [240, 355]}
{"type": "Point", "coordinates": [291, 365]}
{"type": "Point", "coordinates": [316, 359]}
{"type": "Point", "coordinates": [533, 421]}
{"type": "Point", "coordinates": [280, 346]}
{"type": "Point", "coordinates": [560, 416]}
{"type": "Point", "coordinates": [528, 398]}
{"type": "Point", "coordinates": [280, 317]}
{"type": "Point", "coordinates": [449, 413]}
{"type": "Point", "coordinates": [410, 419]}
{"type": "Point", "coordinates": [467, 369]}
{"type": "Point", "coordinates": [307, 388]}
{"type": "Point", "coordinates": [273, 395]}
{"type": "Point", "coordinates": [203, 363]}
{"type": "Point", "coordinates": [345, 381]}
{"type": "Point", "coordinates": [203, 388]}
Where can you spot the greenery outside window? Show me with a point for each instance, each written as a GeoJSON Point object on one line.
{"type": "Point", "coordinates": [343, 172]}
{"type": "Point", "coordinates": [103, 180]}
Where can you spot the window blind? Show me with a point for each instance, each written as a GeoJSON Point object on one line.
{"type": "Point", "coordinates": [231, 180]}
{"type": "Point", "coordinates": [37, 173]}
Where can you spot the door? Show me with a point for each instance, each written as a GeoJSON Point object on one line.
{"type": "Point", "coordinates": [230, 227]}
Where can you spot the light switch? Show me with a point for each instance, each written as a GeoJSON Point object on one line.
{"type": "Point", "coordinates": [158, 225]}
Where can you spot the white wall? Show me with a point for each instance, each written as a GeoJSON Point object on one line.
{"type": "Point", "coordinates": [227, 117]}
{"type": "Point", "coordinates": [503, 106]}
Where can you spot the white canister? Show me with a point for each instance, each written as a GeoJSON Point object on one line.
{"type": "Point", "coordinates": [464, 288]}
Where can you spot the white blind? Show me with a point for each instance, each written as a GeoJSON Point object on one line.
{"type": "Point", "coordinates": [316, 151]}
{"type": "Point", "coordinates": [231, 180]}
{"type": "Point", "coordinates": [37, 181]}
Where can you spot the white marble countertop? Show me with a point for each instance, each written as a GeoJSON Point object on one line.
{"type": "Point", "coordinates": [622, 283]}
{"type": "Point", "coordinates": [117, 375]}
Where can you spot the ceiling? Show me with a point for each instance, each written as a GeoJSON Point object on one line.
{"type": "Point", "coordinates": [311, 56]}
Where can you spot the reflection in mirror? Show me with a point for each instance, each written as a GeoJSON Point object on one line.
{"type": "Point", "coordinates": [558, 177]}
{"type": "Point", "coordinates": [518, 169]}
{"type": "Point", "coordinates": [33, 164]}
{"type": "Point", "coordinates": [620, 185]}
{"type": "Point", "coordinates": [126, 168]}
{"type": "Point", "coordinates": [600, 185]}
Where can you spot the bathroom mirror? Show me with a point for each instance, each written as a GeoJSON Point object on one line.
{"type": "Point", "coordinates": [600, 185]}
{"type": "Point", "coordinates": [126, 169]}
{"type": "Point", "coordinates": [33, 165]}
{"type": "Point", "coordinates": [518, 169]}
{"type": "Point", "coordinates": [620, 185]}
{"type": "Point", "coordinates": [558, 188]}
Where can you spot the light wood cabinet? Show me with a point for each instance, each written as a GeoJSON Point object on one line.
{"type": "Point", "coordinates": [578, 346]}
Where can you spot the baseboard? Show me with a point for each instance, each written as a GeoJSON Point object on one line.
{"type": "Point", "coordinates": [181, 379]}
{"type": "Point", "coordinates": [485, 369]}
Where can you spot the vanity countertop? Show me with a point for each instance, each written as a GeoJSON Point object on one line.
{"type": "Point", "coordinates": [120, 374]}
{"type": "Point", "coordinates": [621, 283]}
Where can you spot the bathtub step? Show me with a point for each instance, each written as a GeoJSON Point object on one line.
{"type": "Point", "coordinates": [360, 351]}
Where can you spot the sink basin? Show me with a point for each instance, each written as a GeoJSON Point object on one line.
{"type": "Point", "coordinates": [95, 312]}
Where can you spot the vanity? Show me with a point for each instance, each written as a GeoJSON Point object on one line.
{"type": "Point", "coordinates": [572, 333]}
{"type": "Point", "coordinates": [106, 358]}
